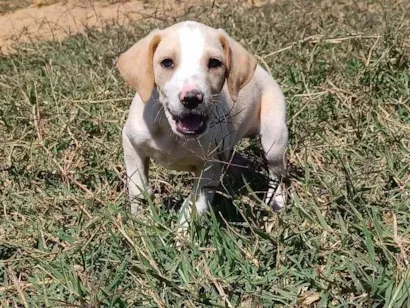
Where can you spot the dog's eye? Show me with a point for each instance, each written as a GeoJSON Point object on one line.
{"type": "Point", "coordinates": [214, 63]}
{"type": "Point", "coordinates": [167, 63]}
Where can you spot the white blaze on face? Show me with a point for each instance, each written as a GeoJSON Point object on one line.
{"type": "Point", "coordinates": [192, 44]}
{"type": "Point", "coordinates": [189, 74]}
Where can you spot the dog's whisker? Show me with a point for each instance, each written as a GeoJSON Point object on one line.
{"type": "Point", "coordinates": [159, 113]}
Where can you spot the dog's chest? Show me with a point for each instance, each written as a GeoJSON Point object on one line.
{"type": "Point", "coordinates": [173, 154]}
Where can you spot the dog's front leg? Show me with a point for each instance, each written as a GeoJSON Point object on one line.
{"type": "Point", "coordinates": [137, 166]}
{"type": "Point", "coordinates": [207, 180]}
{"type": "Point", "coordinates": [274, 140]}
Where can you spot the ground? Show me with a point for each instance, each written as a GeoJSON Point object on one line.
{"type": "Point", "coordinates": [66, 234]}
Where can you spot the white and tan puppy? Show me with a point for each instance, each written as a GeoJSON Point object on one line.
{"type": "Point", "coordinates": [198, 93]}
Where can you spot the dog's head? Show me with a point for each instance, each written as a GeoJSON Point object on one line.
{"type": "Point", "coordinates": [188, 63]}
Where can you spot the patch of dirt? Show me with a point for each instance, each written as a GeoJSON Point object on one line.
{"type": "Point", "coordinates": [62, 19]}
{"type": "Point", "coordinates": [58, 19]}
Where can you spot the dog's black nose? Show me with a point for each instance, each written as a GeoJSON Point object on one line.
{"type": "Point", "coordinates": [192, 99]}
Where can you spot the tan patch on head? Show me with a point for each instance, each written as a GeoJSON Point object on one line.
{"type": "Point", "coordinates": [240, 64]}
{"type": "Point", "coordinates": [136, 64]}
{"type": "Point", "coordinates": [216, 75]}
{"type": "Point", "coordinates": [141, 64]}
{"type": "Point", "coordinates": [169, 48]}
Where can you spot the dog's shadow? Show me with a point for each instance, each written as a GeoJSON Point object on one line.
{"type": "Point", "coordinates": [243, 177]}
{"type": "Point", "coordinates": [244, 186]}
{"type": "Point", "coordinates": [246, 182]}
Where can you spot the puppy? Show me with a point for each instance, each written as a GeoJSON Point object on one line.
{"type": "Point", "coordinates": [198, 93]}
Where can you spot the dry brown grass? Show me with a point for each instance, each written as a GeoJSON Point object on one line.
{"type": "Point", "coordinates": [66, 236]}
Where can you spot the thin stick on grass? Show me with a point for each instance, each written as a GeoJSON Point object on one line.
{"type": "Point", "coordinates": [316, 39]}
{"type": "Point", "coordinates": [17, 286]}
{"type": "Point", "coordinates": [86, 101]}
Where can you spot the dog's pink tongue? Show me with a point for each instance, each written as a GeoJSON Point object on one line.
{"type": "Point", "coordinates": [190, 122]}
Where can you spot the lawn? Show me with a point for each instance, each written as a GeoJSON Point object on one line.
{"type": "Point", "coordinates": [67, 237]}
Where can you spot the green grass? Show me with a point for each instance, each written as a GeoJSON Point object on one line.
{"type": "Point", "coordinates": [66, 234]}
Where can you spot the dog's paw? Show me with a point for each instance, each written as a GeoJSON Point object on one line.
{"type": "Point", "coordinates": [276, 198]}
{"type": "Point", "coordinates": [277, 202]}
{"type": "Point", "coordinates": [182, 227]}
{"type": "Point", "coordinates": [184, 216]}
{"type": "Point", "coordinates": [138, 200]}
{"type": "Point", "coordinates": [134, 208]}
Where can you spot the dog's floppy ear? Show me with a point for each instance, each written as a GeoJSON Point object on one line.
{"type": "Point", "coordinates": [136, 67]}
{"type": "Point", "coordinates": [240, 64]}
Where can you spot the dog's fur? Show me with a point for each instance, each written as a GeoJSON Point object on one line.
{"type": "Point", "coordinates": [240, 99]}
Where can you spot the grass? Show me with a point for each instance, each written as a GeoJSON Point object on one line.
{"type": "Point", "coordinates": [67, 237]}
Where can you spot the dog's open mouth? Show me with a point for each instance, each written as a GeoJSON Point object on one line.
{"type": "Point", "coordinates": [191, 124]}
